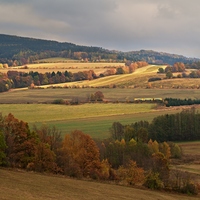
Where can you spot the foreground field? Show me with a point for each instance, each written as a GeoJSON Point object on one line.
{"type": "Point", "coordinates": [29, 186]}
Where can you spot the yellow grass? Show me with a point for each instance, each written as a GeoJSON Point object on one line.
{"type": "Point", "coordinates": [191, 159]}
{"type": "Point", "coordinates": [20, 185]}
{"type": "Point", "coordinates": [139, 77]}
{"type": "Point", "coordinates": [72, 66]}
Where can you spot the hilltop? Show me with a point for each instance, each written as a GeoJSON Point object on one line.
{"type": "Point", "coordinates": [24, 50]}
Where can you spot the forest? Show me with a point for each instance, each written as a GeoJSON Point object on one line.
{"type": "Point", "coordinates": [17, 51]}
{"type": "Point", "coordinates": [134, 154]}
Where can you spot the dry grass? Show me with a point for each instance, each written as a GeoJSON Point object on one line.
{"type": "Point", "coordinates": [20, 185]}
{"type": "Point", "coordinates": [63, 66]}
{"type": "Point", "coordinates": [190, 161]}
{"type": "Point", "coordinates": [190, 148]}
{"type": "Point", "coordinates": [114, 94]}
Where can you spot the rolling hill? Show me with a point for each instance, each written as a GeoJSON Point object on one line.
{"type": "Point", "coordinates": [26, 50]}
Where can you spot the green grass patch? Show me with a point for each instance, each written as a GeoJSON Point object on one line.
{"type": "Point", "coordinates": [93, 119]}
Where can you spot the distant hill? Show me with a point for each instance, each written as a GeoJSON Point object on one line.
{"type": "Point", "coordinates": [15, 50]}
{"type": "Point", "coordinates": [154, 57]}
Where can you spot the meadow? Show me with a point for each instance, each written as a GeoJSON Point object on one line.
{"type": "Point", "coordinates": [93, 119]}
{"type": "Point", "coordinates": [21, 185]}
{"type": "Point", "coordinates": [25, 95]}
{"type": "Point", "coordinates": [50, 65]}
{"type": "Point", "coordinates": [34, 106]}
{"type": "Point", "coordinates": [190, 161]}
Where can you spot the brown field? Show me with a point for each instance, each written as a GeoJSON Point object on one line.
{"type": "Point", "coordinates": [21, 185]}
{"type": "Point", "coordinates": [190, 161]}
{"type": "Point", "coordinates": [190, 148]}
{"type": "Point", "coordinates": [72, 66]}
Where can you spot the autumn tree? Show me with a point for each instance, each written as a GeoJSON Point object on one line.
{"type": "Point", "coordinates": [2, 149]}
{"type": "Point", "coordinates": [160, 165]}
{"type": "Point", "coordinates": [99, 96]}
{"type": "Point", "coordinates": [178, 67]}
{"type": "Point", "coordinates": [20, 141]}
{"type": "Point", "coordinates": [49, 135]}
{"type": "Point", "coordinates": [44, 159]}
{"type": "Point", "coordinates": [165, 149]}
{"type": "Point", "coordinates": [131, 173]}
{"type": "Point", "coordinates": [80, 155]}
{"type": "Point", "coordinates": [153, 146]}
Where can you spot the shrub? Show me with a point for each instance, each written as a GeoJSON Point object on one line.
{"type": "Point", "coordinates": [153, 181]}
{"type": "Point", "coordinates": [154, 79]}
{"type": "Point", "coordinates": [59, 101]}
{"type": "Point", "coordinates": [131, 174]}
{"type": "Point", "coordinates": [190, 188]}
{"type": "Point", "coordinates": [176, 151]}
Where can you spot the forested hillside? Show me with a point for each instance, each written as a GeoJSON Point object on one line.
{"type": "Point", "coordinates": [15, 50]}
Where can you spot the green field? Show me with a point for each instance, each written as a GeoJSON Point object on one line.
{"type": "Point", "coordinates": [21, 185]}
{"type": "Point", "coordinates": [114, 94]}
{"type": "Point", "coordinates": [93, 119]}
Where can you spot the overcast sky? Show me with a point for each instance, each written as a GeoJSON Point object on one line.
{"type": "Point", "coordinates": [171, 26]}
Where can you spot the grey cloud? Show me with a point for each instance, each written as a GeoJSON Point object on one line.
{"type": "Point", "coordinates": [164, 25]}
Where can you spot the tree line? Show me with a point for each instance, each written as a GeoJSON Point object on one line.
{"type": "Point", "coordinates": [180, 102]}
{"type": "Point", "coordinates": [183, 126]}
{"type": "Point", "coordinates": [127, 157]}
{"type": "Point", "coordinates": [15, 79]}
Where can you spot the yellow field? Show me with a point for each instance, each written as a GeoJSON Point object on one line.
{"type": "Point", "coordinates": [21, 185]}
{"type": "Point", "coordinates": [72, 66]}
{"type": "Point", "coordinates": [138, 78]}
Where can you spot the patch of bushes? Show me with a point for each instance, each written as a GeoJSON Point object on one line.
{"type": "Point", "coordinates": [153, 181]}
{"type": "Point", "coordinates": [154, 79]}
{"type": "Point", "coordinates": [59, 101]}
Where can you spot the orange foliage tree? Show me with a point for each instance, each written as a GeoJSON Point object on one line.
{"type": "Point", "coordinates": [80, 155]}
{"type": "Point", "coordinates": [20, 141]}
{"type": "Point", "coordinates": [131, 173]}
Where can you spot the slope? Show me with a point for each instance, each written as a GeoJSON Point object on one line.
{"type": "Point", "coordinates": [20, 185]}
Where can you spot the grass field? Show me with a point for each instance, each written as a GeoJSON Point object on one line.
{"type": "Point", "coordinates": [93, 119]}
{"type": "Point", "coordinates": [71, 66]}
{"type": "Point", "coordinates": [190, 161]}
{"type": "Point", "coordinates": [20, 185]}
{"type": "Point", "coordinates": [114, 94]}
{"type": "Point", "coordinates": [190, 148]}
